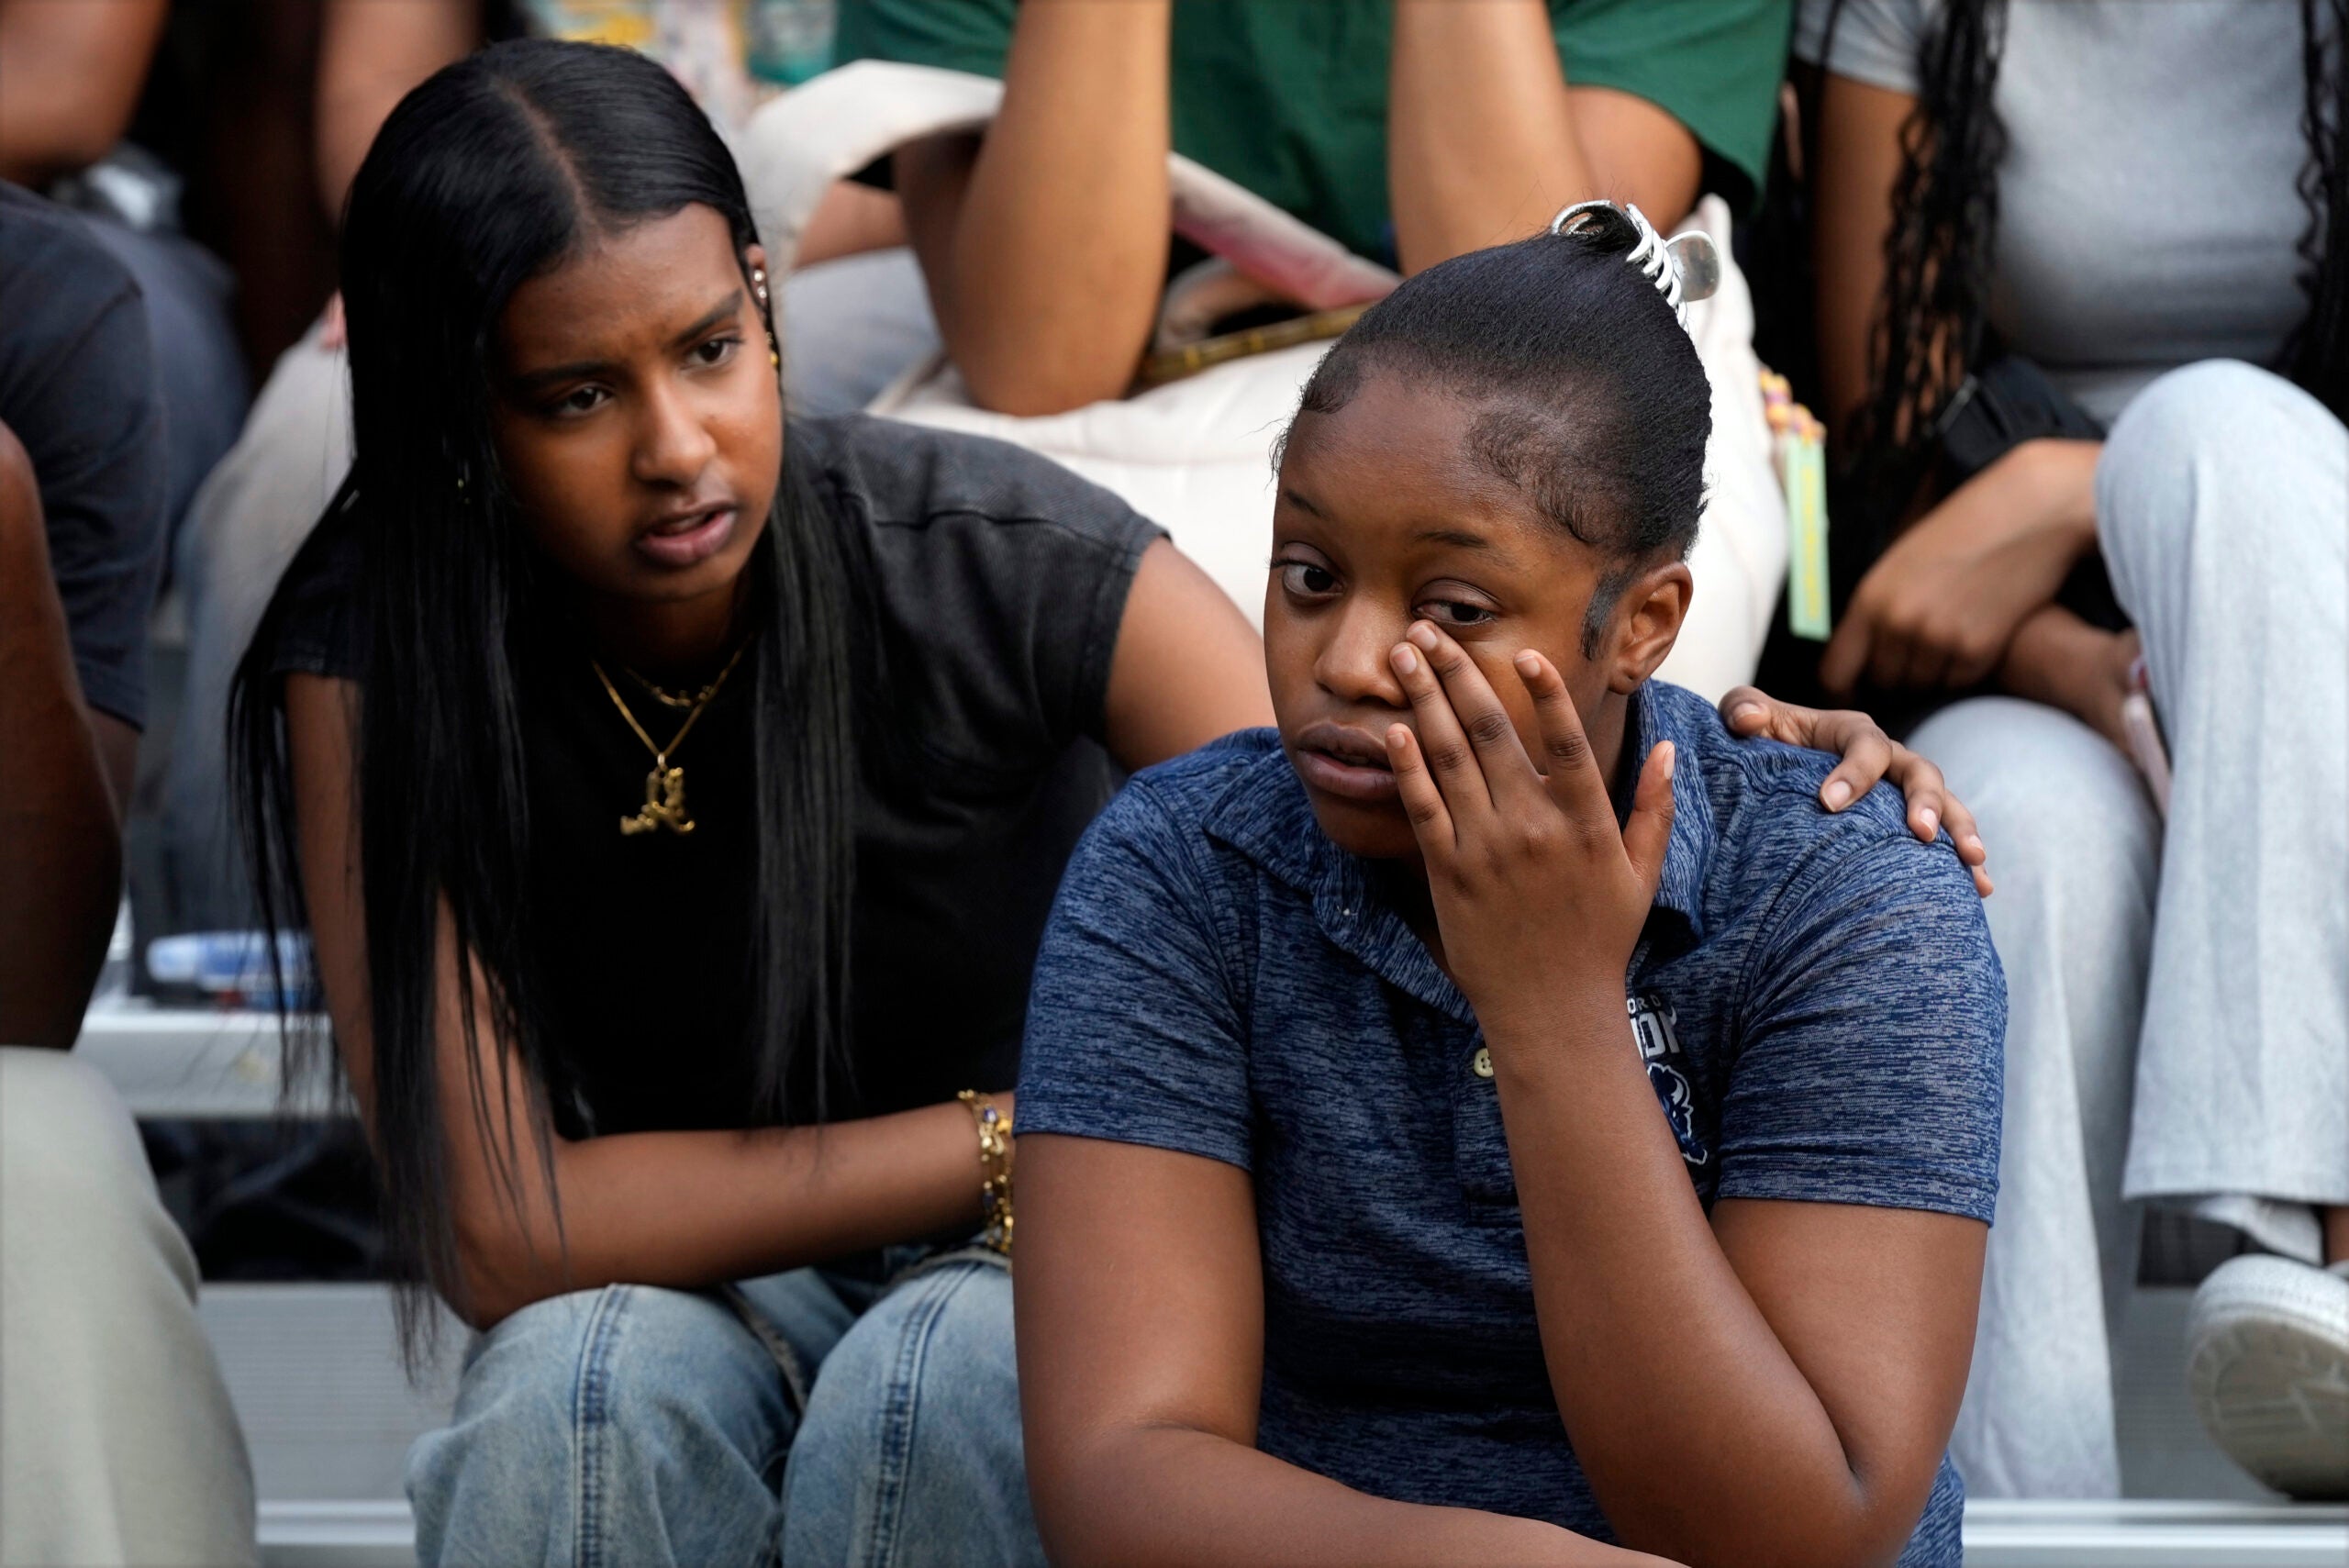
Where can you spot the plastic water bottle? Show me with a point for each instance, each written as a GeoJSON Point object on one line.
{"type": "Point", "coordinates": [235, 965]}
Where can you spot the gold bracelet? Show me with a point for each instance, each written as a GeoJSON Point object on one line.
{"type": "Point", "coordinates": [995, 1168]}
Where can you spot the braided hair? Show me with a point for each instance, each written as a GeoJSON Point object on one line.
{"type": "Point", "coordinates": [1932, 317]}
{"type": "Point", "coordinates": [2318, 353]}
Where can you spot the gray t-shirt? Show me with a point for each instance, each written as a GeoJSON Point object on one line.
{"type": "Point", "coordinates": [77, 385]}
{"type": "Point", "coordinates": [2148, 209]}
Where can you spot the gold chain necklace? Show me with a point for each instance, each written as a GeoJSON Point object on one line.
{"type": "Point", "coordinates": [682, 701]}
{"type": "Point", "coordinates": [665, 786]}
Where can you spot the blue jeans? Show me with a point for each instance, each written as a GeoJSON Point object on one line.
{"type": "Point", "coordinates": [806, 1418]}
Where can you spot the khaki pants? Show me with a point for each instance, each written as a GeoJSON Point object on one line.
{"type": "Point", "coordinates": [117, 1445]}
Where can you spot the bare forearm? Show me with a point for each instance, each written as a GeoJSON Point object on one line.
{"type": "Point", "coordinates": [849, 220]}
{"type": "Point", "coordinates": [2060, 660]}
{"type": "Point", "coordinates": [1662, 1363]}
{"type": "Point", "coordinates": [1481, 140]}
{"type": "Point", "coordinates": [61, 847]}
{"type": "Point", "coordinates": [1046, 254]}
{"type": "Point", "coordinates": [1856, 149]}
{"type": "Point", "coordinates": [693, 1209]}
{"type": "Point", "coordinates": [1192, 1499]}
{"type": "Point", "coordinates": [370, 56]}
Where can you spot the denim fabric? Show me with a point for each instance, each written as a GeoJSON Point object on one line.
{"type": "Point", "coordinates": [910, 1455]}
{"type": "Point", "coordinates": [635, 1427]}
{"type": "Point", "coordinates": [1815, 997]}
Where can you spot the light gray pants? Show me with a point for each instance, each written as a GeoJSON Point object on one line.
{"type": "Point", "coordinates": [2178, 991]}
{"type": "Point", "coordinates": [117, 1445]}
{"type": "Point", "coordinates": [848, 326]}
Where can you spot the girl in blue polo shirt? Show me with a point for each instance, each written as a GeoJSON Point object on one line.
{"type": "Point", "coordinates": [1496, 1115]}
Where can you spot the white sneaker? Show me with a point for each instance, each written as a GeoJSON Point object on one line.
{"type": "Point", "coordinates": [2267, 1361]}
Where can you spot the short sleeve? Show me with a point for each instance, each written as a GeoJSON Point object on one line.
{"type": "Point", "coordinates": [317, 623]}
{"type": "Point", "coordinates": [957, 35]}
{"type": "Point", "coordinates": [1002, 580]}
{"type": "Point", "coordinates": [78, 387]}
{"type": "Point", "coordinates": [1714, 65]}
{"type": "Point", "coordinates": [1876, 42]}
{"type": "Point", "coordinates": [1869, 1070]}
{"type": "Point", "coordinates": [1134, 1023]}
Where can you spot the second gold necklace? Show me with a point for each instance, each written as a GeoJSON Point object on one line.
{"type": "Point", "coordinates": [665, 786]}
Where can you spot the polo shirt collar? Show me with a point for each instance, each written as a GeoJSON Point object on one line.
{"type": "Point", "coordinates": [1267, 816]}
{"type": "Point", "coordinates": [1667, 714]}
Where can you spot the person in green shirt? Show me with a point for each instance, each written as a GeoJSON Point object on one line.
{"type": "Point", "coordinates": [1411, 131]}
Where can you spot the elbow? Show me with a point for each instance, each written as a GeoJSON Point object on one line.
{"type": "Point", "coordinates": [1062, 1491]}
{"type": "Point", "coordinates": [477, 1288]}
{"type": "Point", "coordinates": [1099, 1500]}
{"type": "Point", "coordinates": [1796, 1549]}
{"type": "Point", "coordinates": [63, 144]}
{"type": "Point", "coordinates": [1076, 1494]}
{"type": "Point", "coordinates": [494, 1271]}
{"type": "Point", "coordinates": [1798, 1536]}
{"type": "Point", "coordinates": [1029, 385]}
{"type": "Point", "coordinates": [1827, 1517]}
{"type": "Point", "coordinates": [1028, 362]}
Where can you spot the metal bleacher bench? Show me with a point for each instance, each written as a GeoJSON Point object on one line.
{"type": "Point", "coordinates": [329, 1413]}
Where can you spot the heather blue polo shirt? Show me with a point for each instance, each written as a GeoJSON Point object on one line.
{"type": "Point", "coordinates": [1815, 995]}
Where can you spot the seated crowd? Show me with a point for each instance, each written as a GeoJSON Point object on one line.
{"type": "Point", "coordinates": [1460, 1096]}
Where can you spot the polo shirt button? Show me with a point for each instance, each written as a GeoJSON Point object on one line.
{"type": "Point", "coordinates": [1483, 1063]}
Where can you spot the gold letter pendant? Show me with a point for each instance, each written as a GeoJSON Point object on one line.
{"type": "Point", "coordinates": [664, 804]}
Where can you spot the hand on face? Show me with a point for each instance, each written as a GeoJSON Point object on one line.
{"type": "Point", "coordinates": [1537, 892]}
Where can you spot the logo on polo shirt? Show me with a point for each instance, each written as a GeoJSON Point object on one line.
{"type": "Point", "coordinates": [1652, 1026]}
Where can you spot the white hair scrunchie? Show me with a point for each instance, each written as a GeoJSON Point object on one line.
{"type": "Point", "coordinates": [1683, 270]}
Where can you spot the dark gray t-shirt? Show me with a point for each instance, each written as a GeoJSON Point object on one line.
{"type": "Point", "coordinates": [998, 581]}
{"type": "Point", "coordinates": [77, 385]}
{"type": "Point", "coordinates": [1815, 998]}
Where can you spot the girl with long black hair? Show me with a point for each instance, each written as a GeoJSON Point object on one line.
{"type": "Point", "coordinates": [2084, 327]}
{"type": "Point", "coordinates": [676, 797]}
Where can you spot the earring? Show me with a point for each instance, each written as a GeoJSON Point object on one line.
{"type": "Point", "coordinates": [758, 285]}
